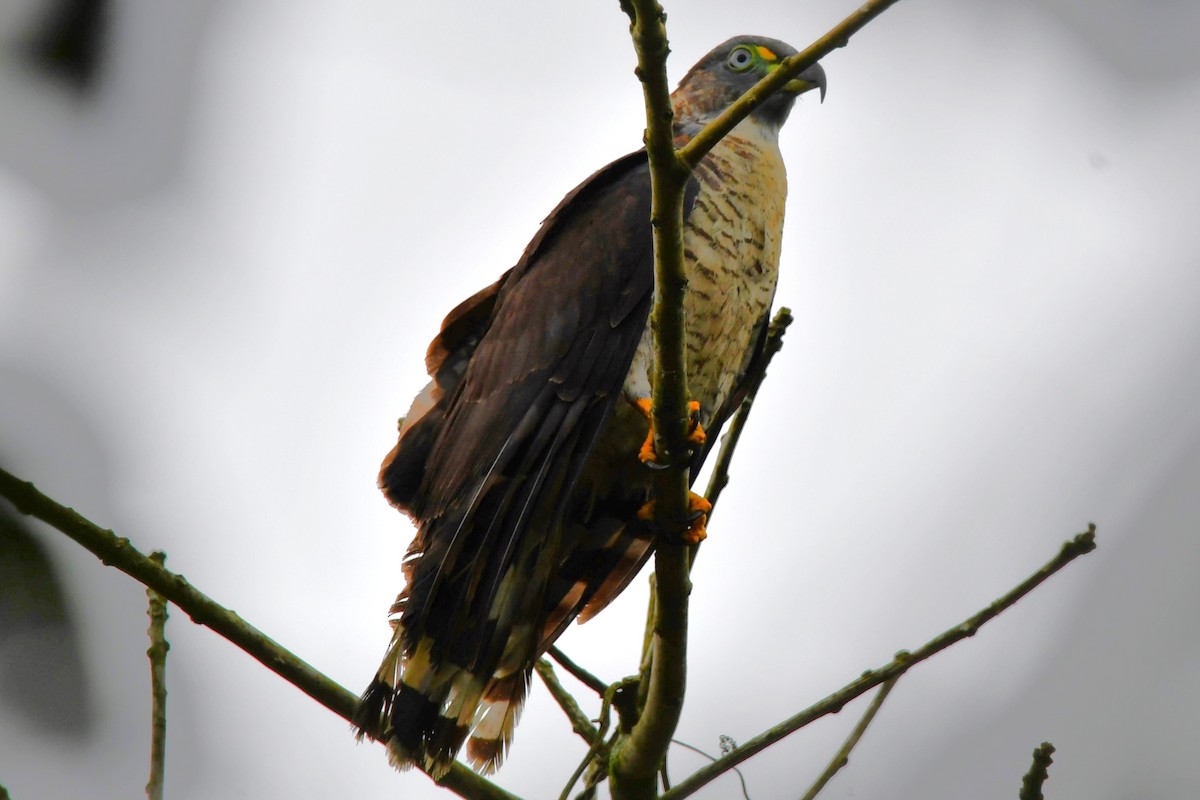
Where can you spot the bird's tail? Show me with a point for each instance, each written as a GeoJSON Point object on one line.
{"type": "Point", "coordinates": [424, 711]}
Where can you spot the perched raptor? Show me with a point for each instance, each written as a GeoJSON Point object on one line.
{"type": "Point", "coordinates": [519, 462]}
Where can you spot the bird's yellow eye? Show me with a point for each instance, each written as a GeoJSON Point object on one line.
{"type": "Point", "coordinates": [740, 59]}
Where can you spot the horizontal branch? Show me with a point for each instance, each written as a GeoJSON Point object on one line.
{"type": "Point", "coordinates": [1082, 544]}
{"type": "Point", "coordinates": [115, 551]}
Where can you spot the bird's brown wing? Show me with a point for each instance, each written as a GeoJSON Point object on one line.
{"type": "Point", "coordinates": [526, 374]}
{"type": "Point", "coordinates": [606, 570]}
{"type": "Point", "coordinates": [538, 386]}
{"type": "Point", "coordinates": [446, 361]}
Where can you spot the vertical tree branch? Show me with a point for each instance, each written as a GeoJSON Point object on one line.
{"type": "Point", "coordinates": [157, 654]}
{"type": "Point", "coordinates": [637, 756]}
{"type": "Point", "coordinates": [647, 660]}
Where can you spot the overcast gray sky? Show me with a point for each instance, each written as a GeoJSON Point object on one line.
{"type": "Point", "coordinates": [218, 277]}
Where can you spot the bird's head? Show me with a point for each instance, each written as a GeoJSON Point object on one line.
{"type": "Point", "coordinates": [729, 70]}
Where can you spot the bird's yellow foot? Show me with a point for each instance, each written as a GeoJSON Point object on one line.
{"type": "Point", "coordinates": [698, 509]}
{"type": "Point", "coordinates": [696, 435]}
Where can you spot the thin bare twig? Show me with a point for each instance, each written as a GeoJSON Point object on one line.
{"type": "Point", "coordinates": [579, 720]}
{"type": "Point", "coordinates": [842, 757]}
{"type": "Point", "coordinates": [157, 653]}
{"type": "Point", "coordinates": [630, 716]}
{"type": "Point", "coordinates": [1039, 772]}
{"type": "Point", "coordinates": [582, 675]}
{"type": "Point", "coordinates": [597, 772]}
{"type": "Point", "coordinates": [754, 380]}
{"type": "Point", "coordinates": [598, 744]}
{"type": "Point", "coordinates": [741, 777]}
{"type": "Point", "coordinates": [1082, 544]}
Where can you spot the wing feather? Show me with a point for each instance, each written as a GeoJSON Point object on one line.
{"type": "Point", "coordinates": [525, 377]}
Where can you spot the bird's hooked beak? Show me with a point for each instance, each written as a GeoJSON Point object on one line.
{"type": "Point", "coordinates": [811, 78]}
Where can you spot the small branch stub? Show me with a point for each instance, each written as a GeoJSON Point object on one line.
{"type": "Point", "coordinates": [1039, 772]}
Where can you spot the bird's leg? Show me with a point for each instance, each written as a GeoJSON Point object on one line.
{"type": "Point", "coordinates": [696, 435]}
{"type": "Point", "coordinates": [698, 509]}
